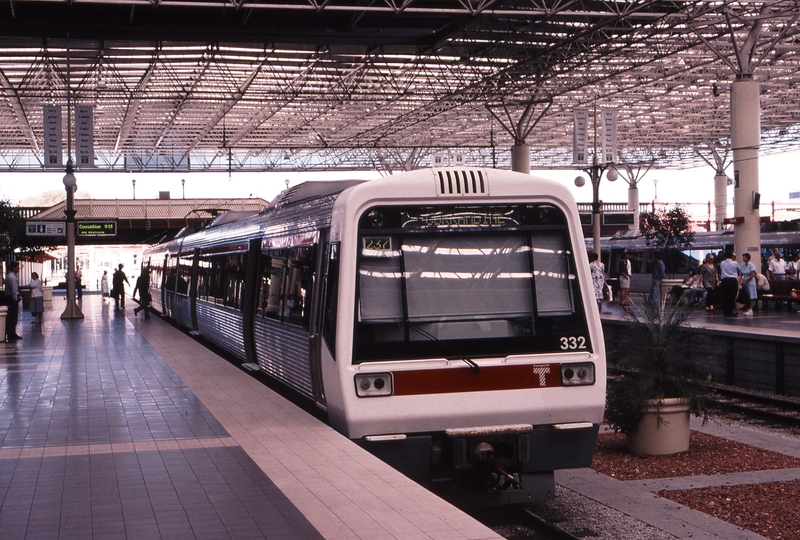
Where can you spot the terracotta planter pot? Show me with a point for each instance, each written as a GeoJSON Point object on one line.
{"type": "Point", "coordinates": [664, 428]}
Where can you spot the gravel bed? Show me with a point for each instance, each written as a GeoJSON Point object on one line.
{"type": "Point", "coordinates": [583, 517]}
{"type": "Point", "coordinates": [766, 509]}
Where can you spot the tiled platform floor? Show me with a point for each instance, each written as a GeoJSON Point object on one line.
{"type": "Point", "coordinates": [120, 427]}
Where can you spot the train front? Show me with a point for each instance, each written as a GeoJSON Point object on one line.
{"type": "Point", "coordinates": [468, 351]}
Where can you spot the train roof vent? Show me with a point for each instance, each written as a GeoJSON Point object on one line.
{"type": "Point", "coordinates": [461, 182]}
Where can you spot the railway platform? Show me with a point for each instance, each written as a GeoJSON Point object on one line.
{"type": "Point", "coordinates": [115, 426]}
{"type": "Point", "coordinates": [119, 427]}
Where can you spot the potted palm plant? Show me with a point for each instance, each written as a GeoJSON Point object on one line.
{"type": "Point", "coordinates": [664, 379]}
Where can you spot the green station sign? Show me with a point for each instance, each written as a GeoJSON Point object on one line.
{"type": "Point", "coordinates": [97, 228]}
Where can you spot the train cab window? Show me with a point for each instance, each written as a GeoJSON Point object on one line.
{"type": "Point", "coordinates": [551, 274]}
{"type": "Point", "coordinates": [430, 287]}
{"type": "Point", "coordinates": [285, 283]}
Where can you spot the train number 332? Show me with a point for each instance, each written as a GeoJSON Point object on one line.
{"type": "Point", "coordinates": [573, 343]}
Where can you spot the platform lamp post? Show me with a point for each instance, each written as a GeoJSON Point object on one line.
{"type": "Point", "coordinates": [183, 187]}
{"type": "Point", "coordinates": [72, 311]}
{"type": "Point", "coordinates": [133, 183]}
{"type": "Point", "coordinates": [595, 172]}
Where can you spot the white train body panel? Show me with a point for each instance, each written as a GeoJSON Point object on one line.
{"type": "Point", "coordinates": [360, 417]}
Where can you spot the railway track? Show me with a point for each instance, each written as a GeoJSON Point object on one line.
{"type": "Point", "coordinates": [764, 407]}
{"type": "Point", "coordinates": [519, 523]}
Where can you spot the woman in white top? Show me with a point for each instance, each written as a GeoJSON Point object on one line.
{"type": "Point", "coordinates": [104, 285]}
{"type": "Point", "coordinates": [37, 298]}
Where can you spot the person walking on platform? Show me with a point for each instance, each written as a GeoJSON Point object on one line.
{"type": "Point", "coordinates": [624, 269]}
{"type": "Point", "coordinates": [710, 280]}
{"type": "Point", "coordinates": [104, 285]}
{"type": "Point", "coordinates": [37, 298]}
{"type": "Point", "coordinates": [78, 282]}
{"type": "Point", "coordinates": [749, 283]}
{"type": "Point", "coordinates": [729, 272]}
{"type": "Point", "coordinates": [12, 301]}
{"type": "Point", "coordinates": [143, 286]}
{"type": "Point", "coordinates": [659, 272]}
{"type": "Point", "coordinates": [118, 280]}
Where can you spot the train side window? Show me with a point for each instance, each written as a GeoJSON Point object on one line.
{"type": "Point", "coordinates": [331, 292]}
{"type": "Point", "coordinates": [234, 280]}
{"type": "Point", "coordinates": [156, 273]}
{"type": "Point", "coordinates": [269, 294]}
{"type": "Point", "coordinates": [285, 285]}
{"type": "Point", "coordinates": [203, 278]}
{"type": "Point", "coordinates": [184, 274]}
{"type": "Point", "coordinates": [171, 273]}
{"type": "Point", "coordinates": [297, 286]}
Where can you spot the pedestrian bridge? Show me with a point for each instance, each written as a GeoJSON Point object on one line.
{"type": "Point", "coordinates": [143, 220]}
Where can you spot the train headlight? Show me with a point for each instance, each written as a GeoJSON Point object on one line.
{"type": "Point", "coordinates": [373, 384]}
{"type": "Point", "coordinates": [577, 374]}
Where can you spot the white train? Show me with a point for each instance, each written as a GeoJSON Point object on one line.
{"type": "Point", "coordinates": [443, 318]}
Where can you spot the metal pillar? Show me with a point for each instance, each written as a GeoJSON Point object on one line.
{"type": "Point", "coordinates": [521, 158]}
{"type": "Point", "coordinates": [720, 199]}
{"type": "Point", "coordinates": [71, 311]}
{"type": "Point", "coordinates": [595, 173]}
{"type": "Point", "coordinates": [745, 141]}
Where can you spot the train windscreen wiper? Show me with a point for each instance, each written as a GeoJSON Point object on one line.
{"type": "Point", "coordinates": [446, 346]}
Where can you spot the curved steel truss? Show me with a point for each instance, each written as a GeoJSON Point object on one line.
{"type": "Point", "coordinates": [350, 84]}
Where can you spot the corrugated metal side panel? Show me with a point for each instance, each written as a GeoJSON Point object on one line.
{"type": "Point", "coordinates": [155, 299]}
{"type": "Point", "coordinates": [183, 310]}
{"type": "Point", "coordinates": [169, 307]}
{"type": "Point", "coordinates": [283, 353]}
{"type": "Point", "coordinates": [222, 326]}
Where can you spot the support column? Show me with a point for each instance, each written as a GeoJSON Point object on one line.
{"type": "Point", "coordinates": [633, 205]}
{"type": "Point", "coordinates": [521, 158]}
{"type": "Point", "coordinates": [720, 199]}
{"type": "Point", "coordinates": [745, 141]}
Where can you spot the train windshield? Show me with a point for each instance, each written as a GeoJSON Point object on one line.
{"type": "Point", "coordinates": [477, 291]}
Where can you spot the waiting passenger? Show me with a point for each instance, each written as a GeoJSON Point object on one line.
{"type": "Point", "coordinates": [792, 267]}
{"type": "Point", "coordinates": [288, 306]}
{"type": "Point", "coordinates": [777, 267]}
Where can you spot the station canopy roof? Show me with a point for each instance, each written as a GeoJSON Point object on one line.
{"type": "Point", "coordinates": [254, 85]}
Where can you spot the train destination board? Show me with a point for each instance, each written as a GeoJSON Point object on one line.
{"type": "Point", "coordinates": [97, 228]}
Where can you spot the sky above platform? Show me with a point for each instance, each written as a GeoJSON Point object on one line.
{"type": "Point", "coordinates": [779, 175]}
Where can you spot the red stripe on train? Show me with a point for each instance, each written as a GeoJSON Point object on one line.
{"type": "Point", "coordinates": [487, 379]}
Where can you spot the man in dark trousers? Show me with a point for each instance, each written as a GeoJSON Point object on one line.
{"type": "Point", "coordinates": [119, 279]}
{"type": "Point", "coordinates": [143, 286]}
{"type": "Point", "coordinates": [729, 272]}
{"type": "Point", "coordinates": [11, 299]}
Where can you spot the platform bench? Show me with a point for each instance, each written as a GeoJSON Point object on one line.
{"type": "Point", "coordinates": [779, 292]}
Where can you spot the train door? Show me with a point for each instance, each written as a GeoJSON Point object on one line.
{"type": "Point", "coordinates": [250, 299]}
{"type": "Point", "coordinates": [193, 288]}
{"type": "Point", "coordinates": [315, 322]}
